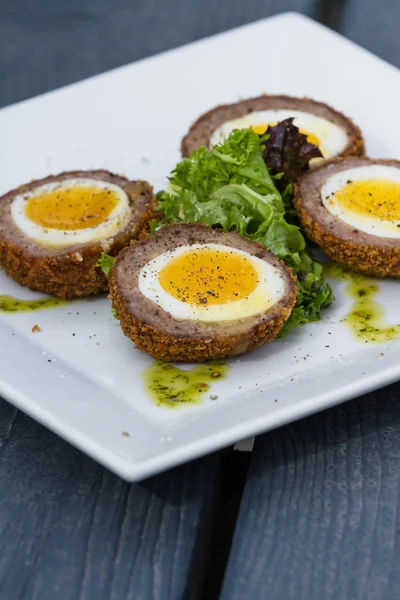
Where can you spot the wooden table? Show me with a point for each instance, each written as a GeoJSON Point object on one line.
{"type": "Point", "coordinates": [319, 514]}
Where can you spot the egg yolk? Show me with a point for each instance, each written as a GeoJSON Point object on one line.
{"type": "Point", "coordinates": [262, 128]}
{"type": "Point", "coordinates": [371, 198]}
{"type": "Point", "coordinates": [208, 276]}
{"type": "Point", "coordinates": [77, 207]}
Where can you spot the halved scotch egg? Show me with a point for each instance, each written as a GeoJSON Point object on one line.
{"type": "Point", "coordinates": [54, 230]}
{"type": "Point", "coordinates": [350, 207]}
{"type": "Point", "coordinates": [334, 133]}
{"type": "Point", "coordinates": [192, 293]}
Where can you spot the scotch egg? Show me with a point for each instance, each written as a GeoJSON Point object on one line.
{"type": "Point", "coordinates": [189, 292]}
{"type": "Point", "coordinates": [334, 133]}
{"type": "Point", "coordinates": [351, 208]}
{"type": "Point", "coordinates": [53, 231]}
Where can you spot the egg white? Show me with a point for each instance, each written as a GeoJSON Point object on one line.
{"type": "Point", "coordinates": [333, 139]}
{"type": "Point", "coordinates": [269, 290]}
{"type": "Point", "coordinates": [368, 224]}
{"type": "Point", "coordinates": [49, 236]}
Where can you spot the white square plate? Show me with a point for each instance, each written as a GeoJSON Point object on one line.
{"type": "Point", "coordinates": [79, 376]}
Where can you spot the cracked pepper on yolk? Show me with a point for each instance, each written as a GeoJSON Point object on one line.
{"type": "Point", "coordinates": [373, 197]}
{"type": "Point", "coordinates": [77, 207]}
{"type": "Point", "coordinates": [262, 128]}
{"type": "Point", "coordinates": [220, 276]}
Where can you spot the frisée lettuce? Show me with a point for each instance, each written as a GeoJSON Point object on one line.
{"type": "Point", "coordinates": [105, 263]}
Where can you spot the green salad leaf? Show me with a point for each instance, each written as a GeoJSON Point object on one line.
{"type": "Point", "coordinates": [105, 263]}
{"type": "Point", "coordinates": [231, 187]}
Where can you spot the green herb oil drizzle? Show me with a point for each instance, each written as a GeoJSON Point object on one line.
{"type": "Point", "coordinates": [366, 318]}
{"type": "Point", "coordinates": [172, 387]}
{"type": "Point", "coordinates": [9, 304]}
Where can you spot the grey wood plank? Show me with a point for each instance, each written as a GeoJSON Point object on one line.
{"type": "Point", "coordinates": [375, 25]}
{"type": "Point", "coordinates": [70, 529]}
{"type": "Point", "coordinates": [320, 512]}
{"type": "Point", "coordinates": [46, 44]}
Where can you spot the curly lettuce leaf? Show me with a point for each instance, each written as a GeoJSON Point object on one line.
{"type": "Point", "coordinates": [105, 263]}
{"type": "Point", "coordinates": [287, 152]}
{"type": "Point", "coordinates": [231, 187]}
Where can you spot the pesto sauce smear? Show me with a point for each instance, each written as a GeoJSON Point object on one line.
{"type": "Point", "coordinates": [366, 318]}
{"type": "Point", "coordinates": [9, 304]}
{"type": "Point", "coordinates": [172, 387]}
